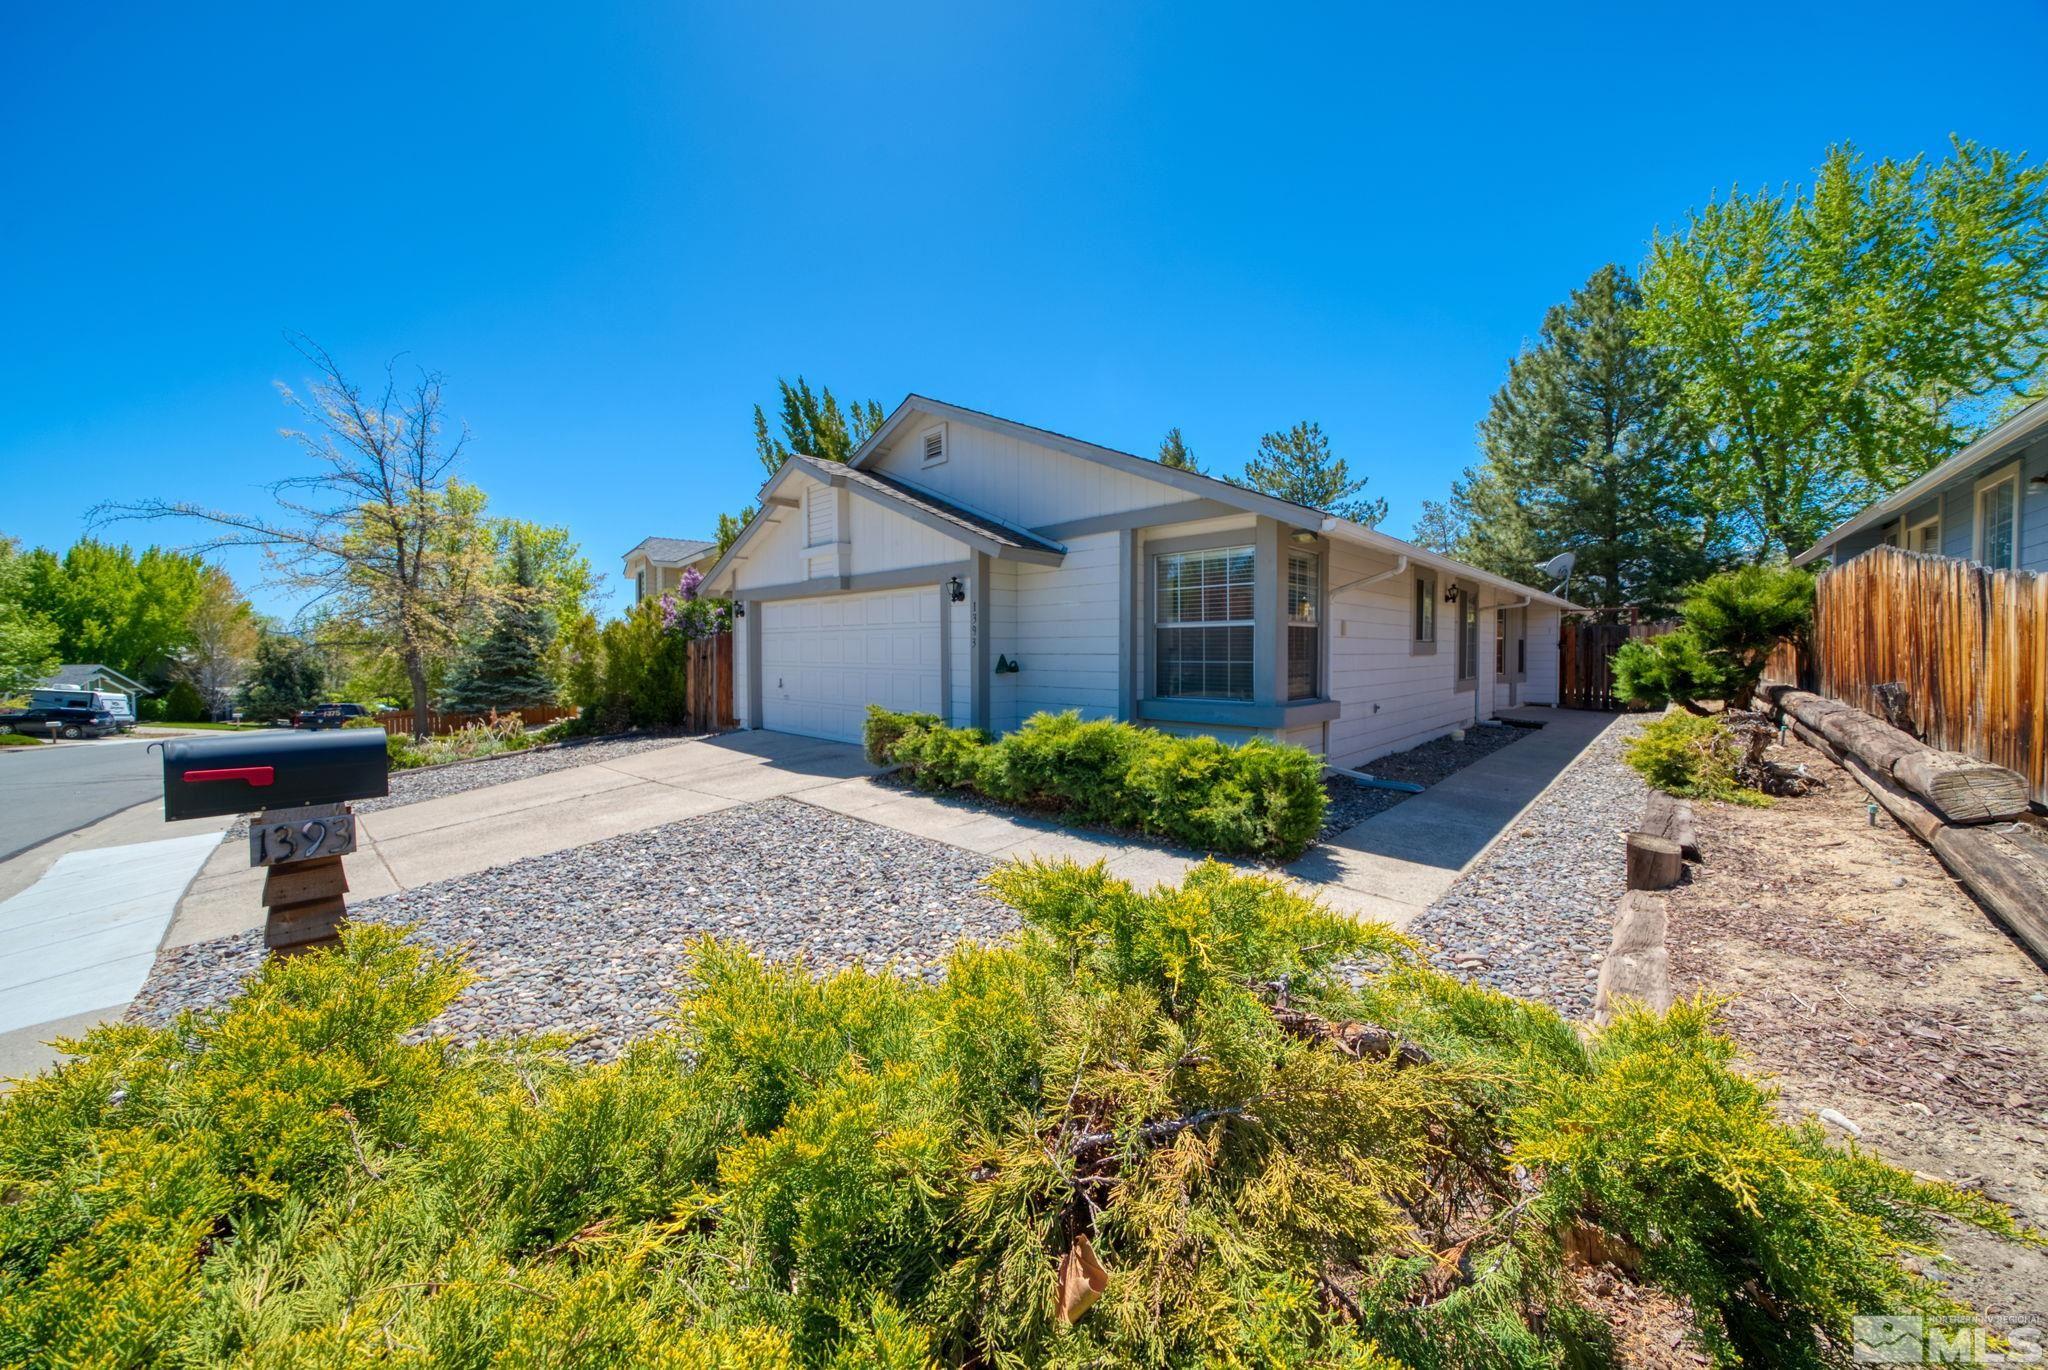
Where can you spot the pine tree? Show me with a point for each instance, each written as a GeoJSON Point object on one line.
{"type": "Point", "coordinates": [1298, 465]}
{"type": "Point", "coordinates": [1174, 452]}
{"type": "Point", "coordinates": [1585, 451]}
{"type": "Point", "coordinates": [287, 676]}
{"type": "Point", "coordinates": [507, 668]}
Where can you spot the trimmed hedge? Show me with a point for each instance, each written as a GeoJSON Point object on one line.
{"type": "Point", "coordinates": [1260, 798]}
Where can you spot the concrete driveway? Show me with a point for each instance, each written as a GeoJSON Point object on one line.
{"type": "Point", "coordinates": [460, 834]}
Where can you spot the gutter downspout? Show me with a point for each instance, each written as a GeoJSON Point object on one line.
{"type": "Point", "coordinates": [1373, 781]}
{"type": "Point", "coordinates": [1400, 565]}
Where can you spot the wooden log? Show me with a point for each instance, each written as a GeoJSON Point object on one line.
{"type": "Point", "coordinates": [1915, 817]}
{"type": "Point", "coordinates": [1638, 965]}
{"type": "Point", "coordinates": [1666, 815]}
{"type": "Point", "coordinates": [2008, 872]}
{"type": "Point", "coordinates": [1965, 790]}
{"type": "Point", "coordinates": [1961, 788]}
{"type": "Point", "coordinates": [1654, 863]}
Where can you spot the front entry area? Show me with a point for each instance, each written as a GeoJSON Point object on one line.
{"type": "Point", "coordinates": [823, 661]}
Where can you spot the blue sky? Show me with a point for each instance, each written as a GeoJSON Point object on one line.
{"type": "Point", "coordinates": [612, 227]}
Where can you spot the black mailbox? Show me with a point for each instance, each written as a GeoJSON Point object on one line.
{"type": "Point", "coordinates": [208, 776]}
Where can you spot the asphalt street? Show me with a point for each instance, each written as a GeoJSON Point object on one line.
{"type": "Point", "coordinates": [48, 791]}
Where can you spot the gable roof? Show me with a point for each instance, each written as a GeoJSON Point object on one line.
{"type": "Point", "coordinates": [962, 519]}
{"type": "Point", "coordinates": [83, 675]}
{"type": "Point", "coordinates": [1998, 443]}
{"type": "Point", "coordinates": [1209, 487]}
{"type": "Point", "coordinates": [671, 551]}
{"type": "Point", "coordinates": [983, 532]}
{"type": "Point", "coordinates": [1205, 487]}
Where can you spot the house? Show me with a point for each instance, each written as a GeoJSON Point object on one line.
{"type": "Point", "coordinates": [1988, 503]}
{"type": "Point", "coordinates": [90, 677]}
{"type": "Point", "coordinates": [656, 565]}
{"type": "Point", "coordinates": [985, 570]}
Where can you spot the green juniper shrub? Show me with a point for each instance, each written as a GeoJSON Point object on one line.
{"type": "Point", "coordinates": [1693, 756]}
{"type": "Point", "coordinates": [1732, 622]}
{"type": "Point", "coordinates": [1290, 1141]}
{"type": "Point", "coordinates": [1259, 797]}
{"type": "Point", "coordinates": [883, 729]}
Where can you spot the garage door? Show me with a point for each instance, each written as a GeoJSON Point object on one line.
{"type": "Point", "coordinates": [823, 661]}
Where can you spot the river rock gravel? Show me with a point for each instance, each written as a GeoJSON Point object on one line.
{"type": "Point", "coordinates": [591, 940]}
{"type": "Point", "coordinates": [1534, 917]}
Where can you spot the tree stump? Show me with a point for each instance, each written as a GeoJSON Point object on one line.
{"type": "Point", "coordinates": [1654, 863]}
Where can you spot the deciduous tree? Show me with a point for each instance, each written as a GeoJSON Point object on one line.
{"type": "Point", "coordinates": [285, 676]}
{"type": "Point", "coordinates": [1833, 342]}
{"type": "Point", "coordinates": [1297, 465]}
{"type": "Point", "coordinates": [28, 640]}
{"type": "Point", "coordinates": [814, 424]}
{"type": "Point", "coordinates": [222, 636]}
{"type": "Point", "coordinates": [112, 606]}
{"type": "Point", "coordinates": [379, 532]}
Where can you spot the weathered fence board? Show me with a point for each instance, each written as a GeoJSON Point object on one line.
{"type": "Point", "coordinates": [1585, 664]}
{"type": "Point", "coordinates": [1967, 645]}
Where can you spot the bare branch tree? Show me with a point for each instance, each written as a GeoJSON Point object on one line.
{"type": "Point", "coordinates": [379, 531]}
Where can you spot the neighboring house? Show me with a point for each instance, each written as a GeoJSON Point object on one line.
{"type": "Point", "coordinates": [983, 570]}
{"type": "Point", "coordinates": [1988, 503]}
{"type": "Point", "coordinates": [656, 565]}
{"type": "Point", "coordinates": [90, 677]}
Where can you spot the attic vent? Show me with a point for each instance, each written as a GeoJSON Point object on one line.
{"type": "Point", "coordinates": [821, 517]}
{"type": "Point", "coordinates": [934, 446]}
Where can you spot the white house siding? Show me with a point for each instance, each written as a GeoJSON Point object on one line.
{"type": "Point", "coordinates": [960, 629]}
{"type": "Point", "coordinates": [1060, 624]}
{"type": "Point", "coordinates": [1393, 699]}
{"type": "Point", "coordinates": [1018, 481]}
{"type": "Point", "coordinates": [884, 540]}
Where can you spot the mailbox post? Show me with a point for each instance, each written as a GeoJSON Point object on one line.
{"type": "Point", "coordinates": [297, 788]}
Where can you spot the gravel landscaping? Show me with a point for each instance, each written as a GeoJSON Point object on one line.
{"type": "Point", "coordinates": [1433, 761]}
{"type": "Point", "coordinates": [591, 940]}
{"type": "Point", "coordinates": [1534, 917]}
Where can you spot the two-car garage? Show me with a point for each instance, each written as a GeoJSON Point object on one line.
{"type": "Point", "coordinates": [823, 661]}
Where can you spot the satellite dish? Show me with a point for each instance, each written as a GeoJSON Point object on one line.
{"type": "Point", "coordinates": [1559, 568]}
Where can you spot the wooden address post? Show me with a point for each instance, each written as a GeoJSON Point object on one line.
{"type": "Point", "coordinates": [305, 882]}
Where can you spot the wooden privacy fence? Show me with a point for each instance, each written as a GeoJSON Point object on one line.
{"type": "Point", "coordinates": [1967, 645]}
{"type": "Point", "coordinates": [1585, 659]}
{"type": "Point", "coordinates": [441, 721]}
{"type": "Point", "coordinates": [707, 698]}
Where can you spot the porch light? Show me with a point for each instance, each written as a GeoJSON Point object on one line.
{"type": "Point", "coordinates": [1304, 537]}
{"type": "Point", "coordinates": [739, 609]}
{"type": "Point", "coordinates": [956, 590]}
{"type": "Point", "coordinates": [1451, 595]}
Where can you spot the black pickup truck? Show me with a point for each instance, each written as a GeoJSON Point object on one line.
{"type": "Point", "coordinates": [71, 720]}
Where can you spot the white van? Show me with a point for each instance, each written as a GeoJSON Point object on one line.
{"type": "Point", "coordinates": [112, 701]}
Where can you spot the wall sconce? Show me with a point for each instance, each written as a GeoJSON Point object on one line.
{"type": "Point", "coordinates": [739, 609]}
{"type": "Point", "coordinates": [1451, 595]}
{"type": "Point", "coordinates": [1304, 537]}
{"type": "Point", "coordinates": [956, 590]}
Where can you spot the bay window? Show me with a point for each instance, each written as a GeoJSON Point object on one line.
{"type": "Point", "coordinates": [1203, 624]}
{"type": "Point", "coordinates": [1304, 624]}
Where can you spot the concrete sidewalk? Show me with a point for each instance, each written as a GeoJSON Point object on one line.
{"type": "Point", "coordinates": [1389, 868]}
{"type": "Point", "coordinates": [1396, 864]}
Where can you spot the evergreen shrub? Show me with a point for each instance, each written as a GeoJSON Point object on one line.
{"type": "Point", "coordinates": [1260, 797]}
{"type": "Point", "coordinates": [1693, 756]}
{"type": "Point", "coordinates": [1288, 1140]}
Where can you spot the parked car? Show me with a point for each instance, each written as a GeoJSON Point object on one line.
{"type": "Point", "coordinates": [71, 720]}
{"type": "Point", "coordinates": [329, 715]}
{"type": "Point", "coordinates": [112, 701]}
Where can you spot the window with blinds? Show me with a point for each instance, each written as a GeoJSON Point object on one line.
{"type": "Point", "coordinates": [1202, 624]}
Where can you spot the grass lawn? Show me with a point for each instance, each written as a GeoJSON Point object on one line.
{"type": "Point", "coordinates": [17, 740]}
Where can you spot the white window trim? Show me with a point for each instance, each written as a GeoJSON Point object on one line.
{"type": "Point", "coordinates": [1418, 645]}
{"type": "Point", "coordinates": [923, 445]}
{"type": "Point", "coordinates": [2009, 473]}
{"type": "Point", "coordinates": [1912, 542]}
